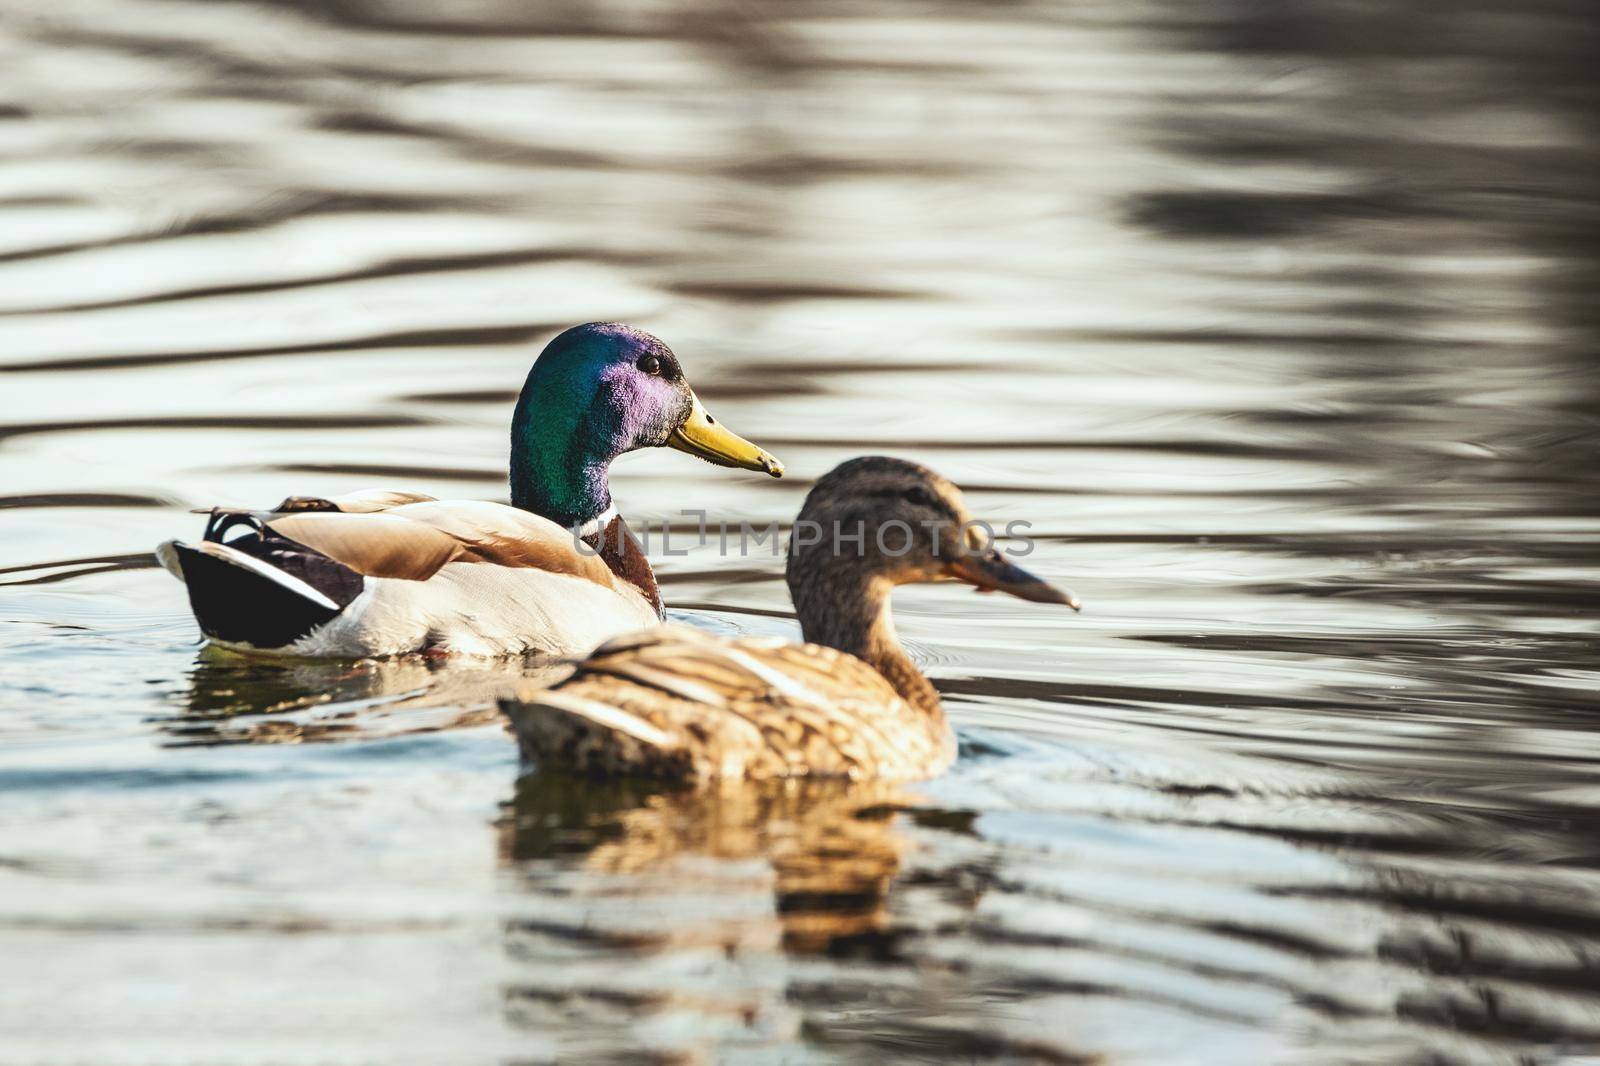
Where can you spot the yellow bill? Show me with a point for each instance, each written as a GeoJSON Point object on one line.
{"type": "Point", "coordinates": [704, 437]}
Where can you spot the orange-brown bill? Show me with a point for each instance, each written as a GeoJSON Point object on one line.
{"type": "Point", "coordinates": [990, 571]}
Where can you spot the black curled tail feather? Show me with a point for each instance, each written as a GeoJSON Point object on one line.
{"type": "Point", "coordinates": [259, 588]}
{"type": "Point", "coordinates": [328, 576]}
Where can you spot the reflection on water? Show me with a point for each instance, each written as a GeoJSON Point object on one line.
{"type": "Point", "coordinates": [829, 847]}
{"type": "Point", "coordinates": [237, 699]}
{"type": "Point", "coordinates": [1276, 321]}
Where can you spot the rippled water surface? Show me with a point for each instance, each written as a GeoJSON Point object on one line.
{"type": "Point", "coordinates": [1277, 321]}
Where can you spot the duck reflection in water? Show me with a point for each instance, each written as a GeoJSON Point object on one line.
{"type": "Point", "coordinates": [245, 699]}
{"type": "Point", "coordinates": [684, 923]}
{"type": "Point", "coordinates": [821, 854]}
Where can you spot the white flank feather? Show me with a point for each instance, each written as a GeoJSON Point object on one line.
{"type": "Point", "coordinates": [480, 609]}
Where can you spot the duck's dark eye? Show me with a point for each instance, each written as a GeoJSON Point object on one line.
{"type": "Point", "coordinates": [919, 496]}
{"type": "Point", "coordinates": [650, 364]}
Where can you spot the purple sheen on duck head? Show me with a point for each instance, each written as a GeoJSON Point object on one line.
{"type": "Point", "coordinates": [606, 387]}
{"type": "Point", "coordinates": [637, 407]}
{"type": "Point", "coordinates": [596, 391]}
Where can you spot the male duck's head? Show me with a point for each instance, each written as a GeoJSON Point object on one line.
{"type": "Point", "coordinates": [599, 390]}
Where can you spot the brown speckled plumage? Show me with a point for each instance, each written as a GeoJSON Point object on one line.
{"type": "Point", "coordinates": [680, 703]}
{"type": "Point", "coordinates": [677, 702]}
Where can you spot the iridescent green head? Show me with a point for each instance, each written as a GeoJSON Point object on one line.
{"type": "Point", "coordinates": [599, 390]}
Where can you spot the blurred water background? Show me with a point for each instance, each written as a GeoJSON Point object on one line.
{"type": "Point", "coordinates": [1277, 320]}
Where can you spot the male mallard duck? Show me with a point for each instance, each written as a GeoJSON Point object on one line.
{"type": "Point", "coordinates": [388, 573]}
{"type": "Point", "coordinates": [848, 703]}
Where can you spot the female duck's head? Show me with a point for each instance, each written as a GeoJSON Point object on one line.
{"type": "Point", "coordinates": [876, 522]}
{"type": "Point", "coordinates": [871, 524]}
{"type": "Point", "coordinates": [597, 391]}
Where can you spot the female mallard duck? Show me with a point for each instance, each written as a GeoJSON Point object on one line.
{"type": "Point", "coordinates": [848, 703]}
{"type": "Point", "coordinates": [388, 573]}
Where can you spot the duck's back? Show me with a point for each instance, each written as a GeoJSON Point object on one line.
{"type": "Point", "coordinates": [676, 702]}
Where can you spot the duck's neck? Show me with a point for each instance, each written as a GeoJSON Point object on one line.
{"type": "Point", "coordinates": [845, 608]}
{"type": "Point", "coordinates": [555, 472]}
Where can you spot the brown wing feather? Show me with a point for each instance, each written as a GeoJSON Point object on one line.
{"type": "Point", "coordinates": [415, 540]}
{"type": "Point", "coordinates": [506, 536]}
{"type": "Point", "coordinates": [376, 545]}
{"type": "Point", "coordinates": [721, 708]}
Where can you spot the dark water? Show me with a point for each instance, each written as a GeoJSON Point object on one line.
{"type": "Point", "coordinates": [1278, 321]}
